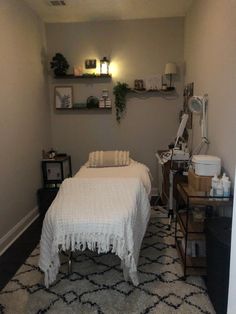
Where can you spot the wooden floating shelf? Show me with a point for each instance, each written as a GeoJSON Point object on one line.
{"type": "Point", "coordinates": [86, 109]}
{"type": "Point", "coordinates": [72, 76]}
{"type": "Point", "coordinates": [149, 91]}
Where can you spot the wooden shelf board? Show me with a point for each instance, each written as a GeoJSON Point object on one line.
{"type": "Point", "coordinates": [195, 229]}
{"type": "Point", "coordinates": [85, 109]}
{"type": "Point", "coordinates": [144, 91]}
{"type": "Point", "coordinates": [72, 76]}
{"type": "Point", "coordinates": [200, 198]}
{"type": "Point", "coordinates": [194, 265]}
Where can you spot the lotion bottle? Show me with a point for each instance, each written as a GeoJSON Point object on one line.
{"type": "Point", "coordinates": [220, 189]}
{"type": "Point", "coordinates": [214, 184]}
{"type": "Point", "coordinates": [226, 186]}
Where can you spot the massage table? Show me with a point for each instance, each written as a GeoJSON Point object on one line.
{"type": "Point", "coordinates": [100, 209]}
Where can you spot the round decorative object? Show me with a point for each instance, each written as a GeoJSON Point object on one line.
{"type": "Point", "coordinates": [92, 102]}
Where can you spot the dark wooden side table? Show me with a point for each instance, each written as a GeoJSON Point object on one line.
{"type": "Point", "coordinates": [56, 170]}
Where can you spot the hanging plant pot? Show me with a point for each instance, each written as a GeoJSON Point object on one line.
{"type": "Point", "coordinates": [120, 91]}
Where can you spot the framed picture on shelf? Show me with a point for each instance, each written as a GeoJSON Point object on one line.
{"type": "Point", "coordinates": [63, 96]}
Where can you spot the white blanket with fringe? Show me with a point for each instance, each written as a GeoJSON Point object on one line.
{"type": "Point", "coordinates": [100, 214]}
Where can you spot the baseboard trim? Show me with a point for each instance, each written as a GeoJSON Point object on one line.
{"type": "Point", "coordinates": [12, 235]}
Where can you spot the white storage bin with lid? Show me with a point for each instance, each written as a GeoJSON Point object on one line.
{"type": "Point", "coordinates": [206, 165]}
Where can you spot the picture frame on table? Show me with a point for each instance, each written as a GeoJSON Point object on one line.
{"type": "Point", "coordinates": [63, 97]}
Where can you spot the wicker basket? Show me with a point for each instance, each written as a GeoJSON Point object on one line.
{"type": "Point", "coordinates": [199, 183]}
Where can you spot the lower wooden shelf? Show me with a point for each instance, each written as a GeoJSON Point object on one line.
{"type": "Point", "coordinates": [195, 266]}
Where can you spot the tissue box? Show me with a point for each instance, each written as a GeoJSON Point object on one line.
{"type": "Point", "coordinates": [206, 165]}
{"type": "Point", "coordinates": [199, 183]}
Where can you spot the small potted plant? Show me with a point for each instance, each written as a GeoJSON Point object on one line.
{"type": "Point", "coordinates": [59, 64]}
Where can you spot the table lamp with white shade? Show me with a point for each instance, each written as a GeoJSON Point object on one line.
{"type": "Point", "coordinates": [170, 69]}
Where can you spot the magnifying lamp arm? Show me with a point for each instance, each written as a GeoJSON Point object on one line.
{"type": "Point", "coordinates": [204, 119]}
{"type": "Point", "coordinates": [199, 147]}
{"type": "Point", "coordinates": [197, 150]}
{"type": "Point", "coordinates": [205, 140]}
{"type": "Point", "coordinates": [203, 128]}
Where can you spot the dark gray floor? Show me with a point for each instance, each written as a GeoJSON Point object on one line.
{"type": "Point", "coordinates": [15, 256]}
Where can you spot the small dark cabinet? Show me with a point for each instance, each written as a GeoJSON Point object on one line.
{"type": "Point", "coordinates": [45, 199]}
{"type": "Point", "coordinates": [56, 170]}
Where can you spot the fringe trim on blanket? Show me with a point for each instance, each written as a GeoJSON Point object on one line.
{"type": "Point", "coordinates": [102, 243]}
{"type": "Point", "coordinates": [51, 272]}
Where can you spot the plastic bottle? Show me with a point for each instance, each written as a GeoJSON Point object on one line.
{"type": "Point", "coordinates": [226, 186]}
{"type": "Point", "coordinates": [224, 177]}
{"type": "Point", "coordinates": [211, 192]}
{"type": "Point", "coordinates": [219, 189]}
{"type": "Point", "coordinates": [214, 184]}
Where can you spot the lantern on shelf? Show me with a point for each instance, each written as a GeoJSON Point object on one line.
{"type": "Point", "coordinates": [104, 66]}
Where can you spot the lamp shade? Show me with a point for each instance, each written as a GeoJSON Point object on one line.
{"type": "Point", "coordinates": [170, 68]}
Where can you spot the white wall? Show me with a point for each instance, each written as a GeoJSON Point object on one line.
{"type": "Point", "coordinates": [232, 276]}
{"type": "Point", "coordinates": [24, 119]}
{"type": "Point", "coordinates": [210, 45]}
{"type": "Point", "coordinates": [138, 49]}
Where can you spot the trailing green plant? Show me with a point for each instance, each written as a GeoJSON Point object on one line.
{"type": "Point", "coordinates": [59, 64]}
{"type": "Point", "coordinates": [120, 91]}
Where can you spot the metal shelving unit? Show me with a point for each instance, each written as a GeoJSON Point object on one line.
{"type": "Point", "coordinates": [190, 229]}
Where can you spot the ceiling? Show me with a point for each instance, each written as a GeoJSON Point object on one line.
{"type": "Point", "coordinates": [100, 10]}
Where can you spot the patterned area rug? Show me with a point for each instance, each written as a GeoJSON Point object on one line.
{"type": "Point", "coordinates": [96, 284]}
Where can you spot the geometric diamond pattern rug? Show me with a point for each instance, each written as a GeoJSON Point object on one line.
{"type": "Point", "coordinates": [96, 283]}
